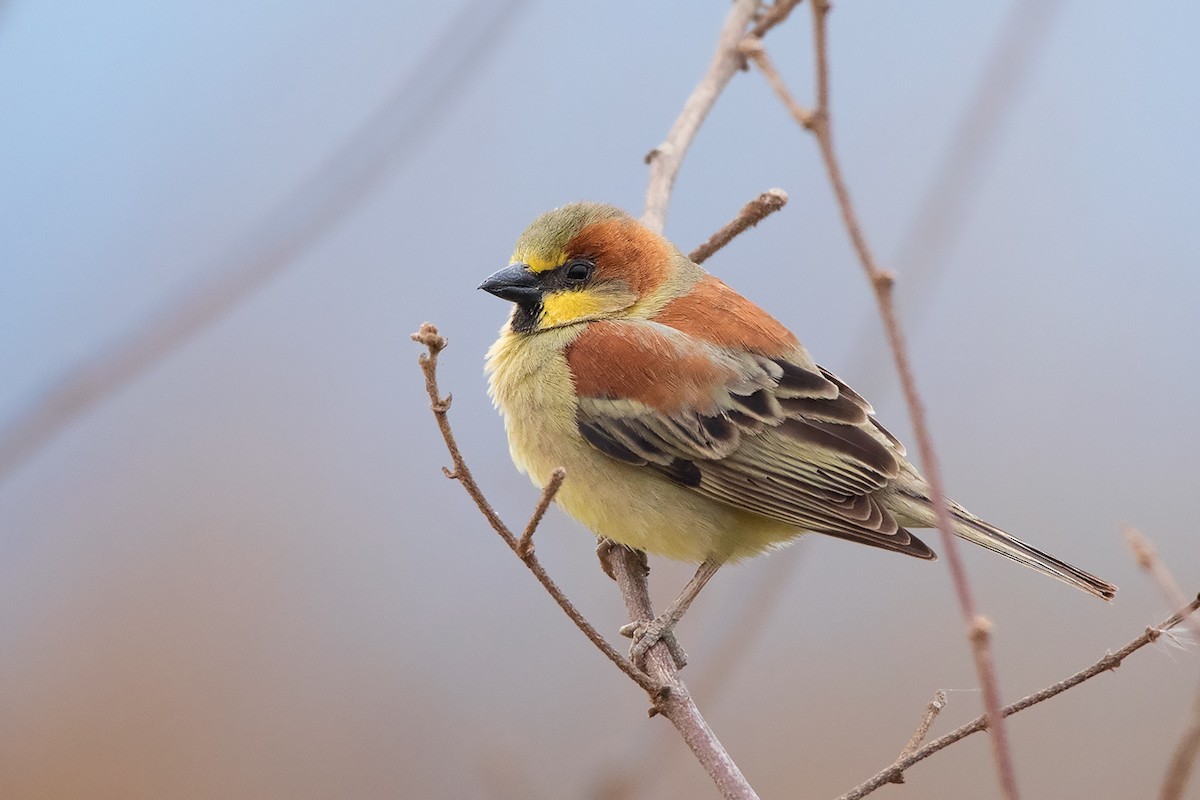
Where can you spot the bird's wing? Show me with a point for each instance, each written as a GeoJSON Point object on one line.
{"type": "Point", "coordinates": [779, 438]}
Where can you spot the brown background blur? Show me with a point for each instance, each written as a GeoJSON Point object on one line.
{"type": "Point", "coordinates": [244, 576]}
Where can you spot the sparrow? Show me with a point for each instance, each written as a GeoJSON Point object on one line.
{"type": "Point", "coordinates": [690, 422]}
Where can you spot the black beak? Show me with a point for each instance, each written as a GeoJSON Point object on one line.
{"type": "Point", "coordinates": [516, 283]}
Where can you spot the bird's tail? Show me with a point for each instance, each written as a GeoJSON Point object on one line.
{"type": "Point", "coordinates": [914, 509]}
{"type": "Point", "coordinates": [973, 529]}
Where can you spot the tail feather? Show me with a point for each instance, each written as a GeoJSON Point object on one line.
{"type": "Point", "coordinates": [981, 533]}
{"type": "Point", "coordinates": [913, 508]}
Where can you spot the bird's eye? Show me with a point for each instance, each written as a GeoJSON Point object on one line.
{"type": "Point", "coordinates": [579, 269]}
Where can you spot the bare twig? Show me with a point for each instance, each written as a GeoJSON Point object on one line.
{"type": "Point", "coordinates": [668, 694]}
{"type": "Point", "coordinates": [525, 543]}
{"type": "Point", "coordinates": [1110, 661]}
{"type": "Point", "coordinates": [666, 159]}
{"type": "Point", "coordinates": [428, 335]}
{"type": "Point", "coordinates": [818, 122]}
{"type": "Point", "coordinates": [629, 568]}
{"type": "Point", "coordinates": [931, 713]}
{"type": "Point", "coordinates": [326, 196]}
{"type": "Point", "coordinates": [753, 49]}
{"type": "Point", "coordinates": [1183, 760]}
{"type": "Point", "coordinates": [1188, 748]}
{"type": "Point", "coordinates": [745, 625]}
{"type": "Point", "coordinates": [1147, 558]}
{"type": "Point", "coordinates": [751, 214]}
{"type": "Point", "coordinates": [771, 17]}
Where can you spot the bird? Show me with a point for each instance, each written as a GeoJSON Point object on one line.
{"type": "Point", "coordinates": [690, 423]}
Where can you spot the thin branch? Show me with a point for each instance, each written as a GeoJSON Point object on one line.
{"type": "Point", "coordinates": [774, 15]}
{"type": "Point", "coordinates": [1110, 661]}
{"type": "Point", "coordinates": [333, 189]}
{"type": "Point", "coordinates": [428, 335]}
{"type": "Point", "coordinates": [931, 713]}
{"type": "Point", "coordinates": [666, 159]}
{"type": "Point", "coordinates": [1188, 748]}
{"type": "Point", "coordinates": [751, 214]}
{"type": "Point", "coordinates": [630, 569]}
{"type": "Point", "coordinates": [646, 766]}
{"type": "Point", "coordinates": [818, 122]}
{"type": "Point", "coordinates": [1147, 558]}
{"type": "Point", "coordinates": [525, 543]}
{"type": "Point", "coordinates": [668, 694]}
{"type": "Point", "coordinates": [1183, 760]}
{"type": "Point", "coordinates": [753, 49]}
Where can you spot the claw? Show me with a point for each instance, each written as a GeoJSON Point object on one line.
{"type": "Point", "coordinates": [647, 634]}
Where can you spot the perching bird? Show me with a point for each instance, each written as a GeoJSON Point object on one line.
{"type": "Point", "coordinates": [690, 422]}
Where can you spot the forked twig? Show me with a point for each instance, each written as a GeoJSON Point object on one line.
{"type": "Point", "coordinates": [1110, 661]}
{"type": "Point", "coordinates": [668, 694]}
{"type": "Point", "coordinates": [629, 569]}
{"type": "Point", "coordinates": [434, 342]}
{"type": "Point", "coordinates": [931, 713]}
{"type": "Point", "coordinates": [774, 15]}
{"type": "Point", "coordinates": [1187, 750]}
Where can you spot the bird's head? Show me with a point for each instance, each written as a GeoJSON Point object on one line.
{"type": "Point", "coordinates": [589, 261]}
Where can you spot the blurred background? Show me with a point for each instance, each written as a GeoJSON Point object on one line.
{"type": "Point", "coordinates": [241, 573]}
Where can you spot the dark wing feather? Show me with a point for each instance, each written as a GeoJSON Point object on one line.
{"type": "Point", "coordinates": [790, 443]}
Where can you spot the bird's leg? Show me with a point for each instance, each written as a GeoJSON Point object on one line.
{"type": "Point", "coordinates": [661, 628]}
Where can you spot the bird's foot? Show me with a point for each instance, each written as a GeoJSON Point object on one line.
{"type": "Point", "coordinates": [647, 634]}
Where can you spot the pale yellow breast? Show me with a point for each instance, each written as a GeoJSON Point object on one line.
{"type": "Point", "coordinates": [531, 385]}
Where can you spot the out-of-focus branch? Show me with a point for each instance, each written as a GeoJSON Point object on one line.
{"type": "Point", "coordinates": [668, 694]}
{"type": "Point", "coordinates": [323, 199]}
{"type": "Point", "coordinates": [945, 207]}
{"type": "Point", "coordinates": [1188, 749]}
{"type": "Point", "coordinates": [1110, 661]}
{"type": "Point", "coordinates": [817, 121]}
{"type": "Point", "coordinates": [1147, 558]}
{"type": "Point", "coordinates": [666, 159]}
{"type": "Point", "coordinates": [1183, 760]}
{"type": "Point", "coordinates": [751, 214]}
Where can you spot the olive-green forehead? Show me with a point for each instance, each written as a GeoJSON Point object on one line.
{"type": "Point", "coordinates": [543, 245]}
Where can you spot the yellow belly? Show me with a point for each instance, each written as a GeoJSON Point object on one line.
{"type": "Point", "coordinates": [531, 385]}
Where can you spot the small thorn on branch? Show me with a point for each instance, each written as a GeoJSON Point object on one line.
{"type": "Point", "coordinates": [449, 473]}
{"type": "Point", "coordinates": [751, 214]}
